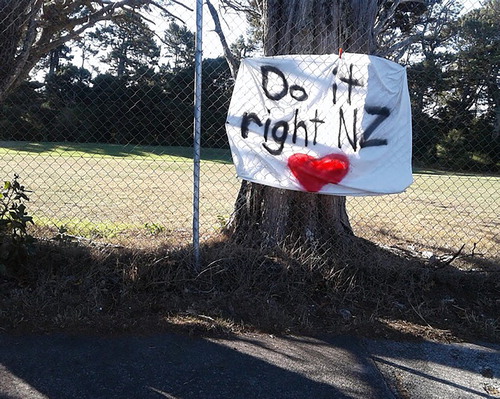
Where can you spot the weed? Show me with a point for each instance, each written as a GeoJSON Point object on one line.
{"type": "Point", "coordinates": [154, 229]}
{"type": "Point", "coordinates": [64, 238]}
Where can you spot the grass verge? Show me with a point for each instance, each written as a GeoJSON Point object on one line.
{"type": "Point", "coordinates": [360, 289]}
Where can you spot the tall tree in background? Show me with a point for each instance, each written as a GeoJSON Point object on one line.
{"type": "Point", "coordinates": [272, 216]}
{"type": "Point", "coordinates": [242, 47]}
{"type": "Point", "coordinates": [180, 43]}
{"type": "Point", "coordinates": [428, 58]}
{"type": "Point", "coordinates": [478, 60]}
{"type": "Point", "coordinates": [470, 105]}
{"type": "Point", "coordinates": [131, 45]}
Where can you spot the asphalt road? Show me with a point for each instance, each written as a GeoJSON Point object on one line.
{"type": "Point", "coordinates": [247, 366]}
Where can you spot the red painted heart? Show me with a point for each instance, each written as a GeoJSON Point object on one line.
{"type": "Point", "coordinates": [313, 173]}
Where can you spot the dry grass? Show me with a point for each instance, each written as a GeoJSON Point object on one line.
{"type": "Point", "coordinates": [363, 289]}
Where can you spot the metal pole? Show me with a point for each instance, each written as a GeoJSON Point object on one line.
{"type": "Point", "coordinates": [197, 135]}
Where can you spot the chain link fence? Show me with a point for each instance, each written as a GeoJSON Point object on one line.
{"type": "Point", "coordinates": [100, 127]}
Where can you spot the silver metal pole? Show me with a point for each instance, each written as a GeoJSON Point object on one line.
{"type": "Point", "coordinates": [197, 135]}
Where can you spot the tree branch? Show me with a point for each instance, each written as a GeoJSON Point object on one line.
{"type": "Point", "coordinates": [159, 6]}
{"type": "Point", "coordinates": [231, 60]}
{"type": "Point", "coordinates": [400, 46]}
{"type": "Point", "coordinates": [238, 6]}
{"type": "Point", "coordinates": [386, 17]}
{"type": "Point", "coordinates": [173, 1]}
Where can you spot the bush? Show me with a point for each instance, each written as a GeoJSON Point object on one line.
{"type": "Point", "coordinates": [14, 238]}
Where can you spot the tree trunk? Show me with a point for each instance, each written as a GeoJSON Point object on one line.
{"type": "Point", "coordinates": [268, 216]}
{"type": "Point", "coordinates": [17, 34]}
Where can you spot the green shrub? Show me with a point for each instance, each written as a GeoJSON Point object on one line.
{"type": "Point", "coordinates": [14, 237]}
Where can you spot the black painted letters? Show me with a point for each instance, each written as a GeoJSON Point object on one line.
{"type": "Point", "coordinates": [276, 87]}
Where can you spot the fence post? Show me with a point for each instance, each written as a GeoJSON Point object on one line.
{"type": "Point", "coordinates": [197, 135]}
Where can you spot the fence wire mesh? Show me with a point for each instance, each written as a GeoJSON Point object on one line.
{"type": "Point", "coordinates": [96, 112]}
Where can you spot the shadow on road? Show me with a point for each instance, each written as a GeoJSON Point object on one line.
{"type": "Point", "coordinates": [171, 366]}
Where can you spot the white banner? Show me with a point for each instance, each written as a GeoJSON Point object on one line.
{"type": "Point", "coordinates": [321, 123]}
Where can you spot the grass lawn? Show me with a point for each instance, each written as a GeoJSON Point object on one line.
{"type": "Point", "coordinates": [103, 189]}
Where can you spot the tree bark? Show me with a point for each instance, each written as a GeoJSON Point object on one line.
{"type": "Point", "coordinates": [17, 34]}
{"type": "Point", "coordinates": [267, 216]}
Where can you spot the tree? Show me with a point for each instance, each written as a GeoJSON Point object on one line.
{"type": "Point", "coordinates": [68, 85]}
{"type": "Point", "coordinates": [477, 61]}
{"type": "Point", "coordinates": [271, 216]}
{"type": "Point", "coordinates": [55, 57]}
{"type": "Point", "coordinates": [131, 44]}
{"type": "Point", "coordinates": [242, 47]}
{"type": "Point", "coordinates": [30, 29]}
{"type": "Point", "coordinates": [180, 42]}
{"type": "Point", "coordinates": [431, 46]}
{"type": "Point", "coordinates": [455, 88]}
{"type": "Point", "coordinates": [472, 108]}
